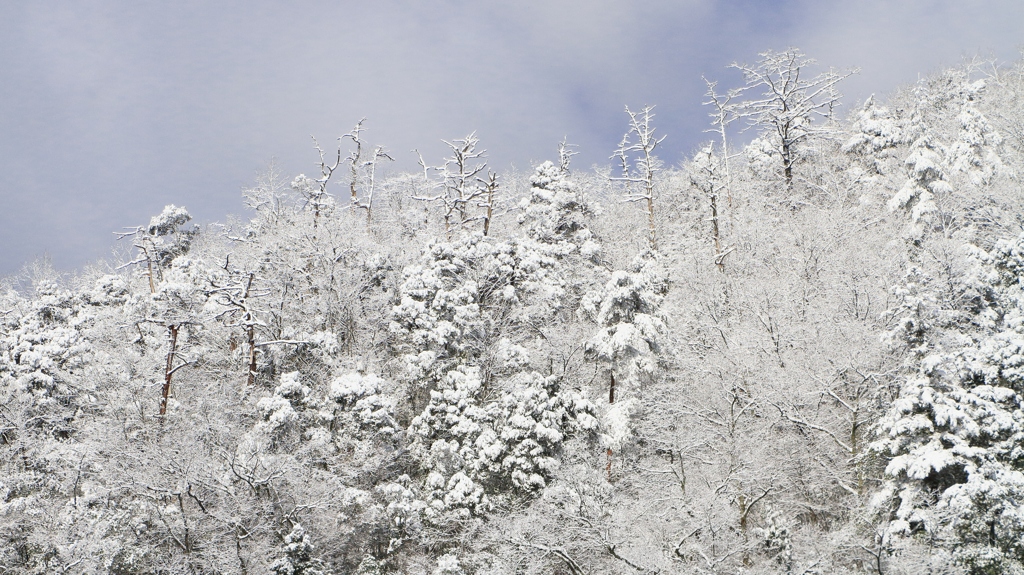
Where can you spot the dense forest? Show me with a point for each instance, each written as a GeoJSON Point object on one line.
{"type": "Point", "coordinates": [799, 351]}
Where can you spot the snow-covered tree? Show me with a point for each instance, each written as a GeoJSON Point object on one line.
{"type": "Point", "coordinates": [41, 352]}
{"type": "Point", "coordinates": [956, 473]}
{"type": "Point", "coordinates": [638, 172]}
{"type": "Point", "coordinates": [629, 321]}
{"type": "Point", "coordinates": [162, 240]}
{"type": "Point", "coordinates": [925, 186]}
{"type": "Point", "coordinates": [556, 212]}
{"type": "Point", "coordinates": [708, 176]}
{"type": "Point", "coordinates": [787, 106]}
{"type": "Point", "coordinates": [975, 152]}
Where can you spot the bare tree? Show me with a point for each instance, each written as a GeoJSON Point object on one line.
{"type": "Point", "coordinates": [460, 184]}
{"type": "Point", "coordinates": [315, 191]}
{"type": "Point", "coordinates": [789, 103]}
{"type": "Point", "coordinates": [490, 190]}
{"type": "Point", "coordinates": [363, 172]}
{"type": "Point", "coordinates": [565, 153]}
{"type": "Point", "coordinates": [723, 114]}
{"type": "Point", "coordinates": [706, 177]}
{"type": "Point", "coordinates": [638, 173]}
{"type": "Point", "coordinates": [236, 296]}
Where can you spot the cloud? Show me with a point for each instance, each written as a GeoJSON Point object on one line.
{"type": "Point", "coordinates": [110, 110]}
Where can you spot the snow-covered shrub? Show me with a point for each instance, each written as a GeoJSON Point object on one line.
{"type": "Point", "coordinates": [530, 423]}
{"type": "Point", "coordinates": [763, 158]}
{"type": "Point", "coordinates": [278, 410]}
{"type": "Point", "coordinates": [298, 556]}
{"type": "Point", "coordinates": [508, 444]}
{"type": "Point", "coordinates": [453, 300]}
{"type": "Point", "coordinates": [361, 396]}
{"type": "Point", "coordinates": [448, 565]}
{"type": "Point", "coordinates": [41, 353]}
{"type": "Point", "coordinates": [402, 510]}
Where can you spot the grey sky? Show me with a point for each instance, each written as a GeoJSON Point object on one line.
{"type": "Point", "coordinates": [110, 110]}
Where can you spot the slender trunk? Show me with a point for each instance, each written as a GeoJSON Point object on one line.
{"type": "Point", "coordinates": [725, 162]}
{"type": "Point", "coordinates": [250, 333]}
{"type": "Point", "coordinates": [855, 451]}
{"type": "Point", "coordinates": [172, 333]}
{"type": "Point", "coordinates": [491, 186]}
{"type": "Point", "coordinates": [650, 221]}
{"type": "Point", "coordinates": [252, 356]}
{"type": "Point", "coordinates": [611, 400]}
{"type": "Point", "coordinates": [719, 260]}
{"type": "Point", "coordinates": [649, 188]}
{"type": "Point", "coordinates": [152, 284]}
{"type": "Point", "coordinates": [787, 164]}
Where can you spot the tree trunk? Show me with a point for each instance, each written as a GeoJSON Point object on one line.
{"type": "Point", "coordinates": [250, 333]}
{"type": "Point", "coordinates": [172, 332]}
{"type": "Point", "coordinates": [650, 220]}
{"type": "Point", "coordinates": [611, 400]}
{"type": "Point", "coordinates": [252, 356]}
{"type": "Point", "coordinates": [787, 163]}
{"type": "Point", "coordinates": [719, 259]}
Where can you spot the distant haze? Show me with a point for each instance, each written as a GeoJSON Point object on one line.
{"type": "Point", "coordinates": [110, 110]}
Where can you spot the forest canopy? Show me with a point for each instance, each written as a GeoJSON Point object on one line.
{"type": "Point", "coordinates": [801, 350]}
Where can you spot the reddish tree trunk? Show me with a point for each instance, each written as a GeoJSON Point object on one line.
{"type": "Point", "coordinates": [252, 356]}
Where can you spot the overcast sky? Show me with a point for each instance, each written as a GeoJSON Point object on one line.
{"type": "Point", "coordinates": [110, 110]}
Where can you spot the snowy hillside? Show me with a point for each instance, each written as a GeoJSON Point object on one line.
{"type": "Point", "coordinates": [800, 355]}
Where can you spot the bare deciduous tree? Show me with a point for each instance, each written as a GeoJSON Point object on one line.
{"type": "Point", "coordinates": [363, 172]}
{"type": "Point", "coordinates": [724, 113]}
{"type": "Point", "coordinates": [705, 176]}
{"type": "Point", "coordinates": [460, 184]}
{"type": "Point", "coordinates": [788, 103]}
{"type": "Point", "coordinates": [638, 173]}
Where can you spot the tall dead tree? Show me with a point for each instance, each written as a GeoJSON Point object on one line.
{"type": "Point", "coordinates": [705, 176]}
{"type": "Point", "coordinates": [459, 185]}
{"type": "Point", "coordinates": [723, 113]}
{"type": "Point", "coordinates": [638, 172]}
{"type": "Point", "coordinates": [315, 191]}
{"type": "Point", "coordinates": [490, 191]}
{"type": "Point", "coordinates": [363, 174]}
